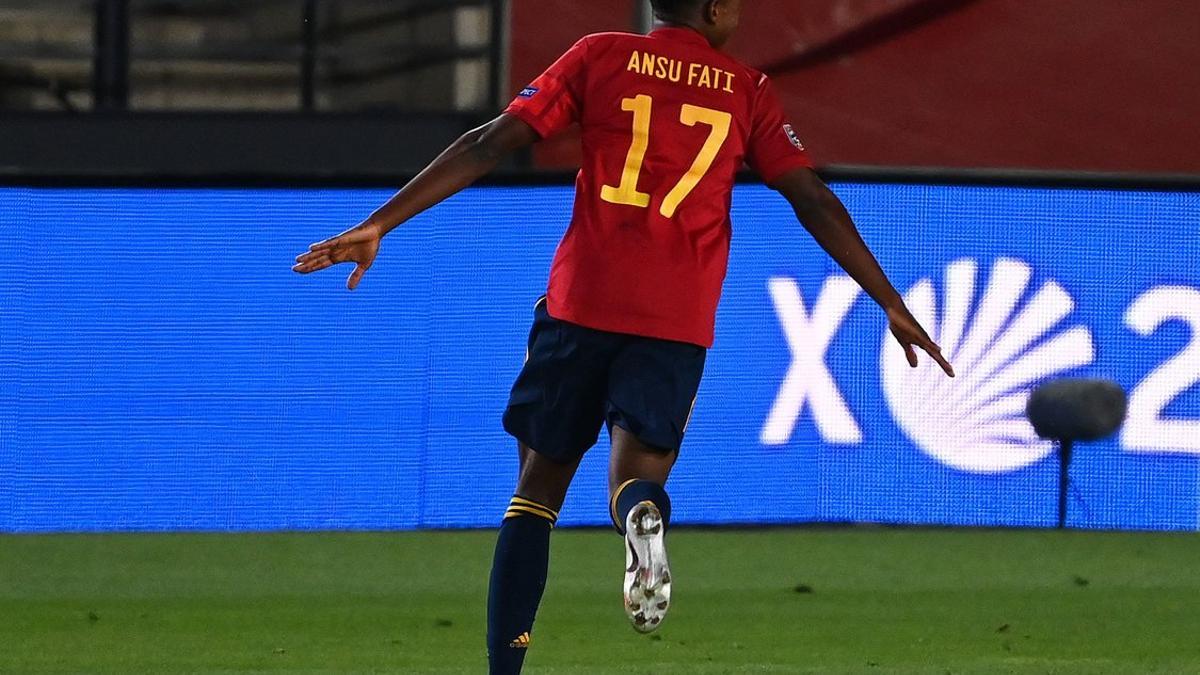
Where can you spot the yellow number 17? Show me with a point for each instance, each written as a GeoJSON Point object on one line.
{"type": "Point", "coordinates": [627, 193]}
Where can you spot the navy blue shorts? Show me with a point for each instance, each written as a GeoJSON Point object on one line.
{"type": "Point", "coordinates": [577, 379]}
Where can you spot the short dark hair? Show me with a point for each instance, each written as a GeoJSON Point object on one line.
{"type": "Point", "coordinates": [667, 9]}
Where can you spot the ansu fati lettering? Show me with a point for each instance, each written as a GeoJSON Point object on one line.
{"type": "Point", "coordinates": [674, 70]}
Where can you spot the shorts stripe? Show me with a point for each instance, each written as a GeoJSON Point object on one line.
{"type": "Point", "coordinates": [691, 410]}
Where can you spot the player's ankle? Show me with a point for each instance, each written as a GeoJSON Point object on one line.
{"type": "Point", "coordinates": [633, 492]}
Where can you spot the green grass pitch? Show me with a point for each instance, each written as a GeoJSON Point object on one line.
{"type": "Point", "coordinates": [762, 601]}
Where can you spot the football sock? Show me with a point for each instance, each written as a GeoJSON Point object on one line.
{"type": "Point", "coordinates": [633, 492]}
{"type": "Point", "coordinates": [518, 579]}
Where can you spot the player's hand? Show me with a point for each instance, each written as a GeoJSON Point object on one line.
{"type": "Point", "coordinates": [359, 245]}
{"type": "Point", "coordinates": [910, 334]}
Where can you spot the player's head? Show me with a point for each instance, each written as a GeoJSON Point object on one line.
{"type": "Point", "coordinates": [716, 19]}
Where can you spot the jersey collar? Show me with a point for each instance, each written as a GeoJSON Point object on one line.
{"type": "Point", "coordinates": [680, 34]}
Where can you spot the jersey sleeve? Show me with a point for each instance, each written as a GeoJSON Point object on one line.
{"type": "Point", "coordinates": [774, 148]}
{"type": "Point", "coordinates": [554, 100]}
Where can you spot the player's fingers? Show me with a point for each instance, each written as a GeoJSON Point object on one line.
{"type": "Point", "coordinates": [936, 352]}
{"type": "Point", "coordinates": [314, 265]}
{"type": "Point", "coordinates": [926, 343]}
{"type": "Point", "coordinates": [325, 246]}
{"type": "Point", "coordinates": [356, 276]}
{"type": "Point", "coordinates": [911, 354]}
{"type": "Point", "coordinates": [308, 256]}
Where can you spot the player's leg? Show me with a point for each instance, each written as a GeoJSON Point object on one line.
{"type": "Point", "coordinates": [637, 472]}
{"type": "Point", "coordinates": [556, 408]}
{"type": "Point", "coordinates": [522, 557]}
{"type": "Point", "coordinates": [652, 389]}
{"type": "Point", "coordinates": [544, 480]}
{"type": "Point", "coordinates": [641, 509]}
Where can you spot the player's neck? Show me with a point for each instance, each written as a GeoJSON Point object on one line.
{"type": "Point", "coordinates": [659, 23]}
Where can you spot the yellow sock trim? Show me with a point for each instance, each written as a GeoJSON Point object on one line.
{"type": "Point", "coordinates": [521, 501]}
{"type": "Point", "coordinates": [514, 511]}
{"type": "Point", "coordinates": [519, 506]}
{"type": "Point", "coordinates": [612, 503]}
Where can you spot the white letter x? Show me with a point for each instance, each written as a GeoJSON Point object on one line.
{"type": "Point", "coordinates": [808, 376]}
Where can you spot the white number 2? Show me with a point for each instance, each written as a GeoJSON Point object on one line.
{"type": "Point", "coordinates": [1145, 428]}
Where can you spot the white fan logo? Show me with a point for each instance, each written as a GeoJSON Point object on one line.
{"type": "Point", "coordinates": [1001, 349]}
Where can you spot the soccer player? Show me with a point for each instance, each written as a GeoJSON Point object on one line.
{"type": "Point", "coordinates": [620, 338]}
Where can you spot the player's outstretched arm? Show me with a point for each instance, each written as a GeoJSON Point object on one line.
{"type": "Point", "coordinates": [467, 160]}
{"type": "Point", "coordinates": [826, 218]}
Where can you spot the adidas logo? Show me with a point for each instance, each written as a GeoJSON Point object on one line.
{"type": "Point", "coordinates": [522, 641]}
{"type": "Point", "coordinates": [1003, 343]}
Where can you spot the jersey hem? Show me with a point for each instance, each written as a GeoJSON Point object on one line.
{"type": "Point", "coordinates": [657, 332]}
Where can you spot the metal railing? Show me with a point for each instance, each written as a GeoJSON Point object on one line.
{"type": "Point", "coordinates": [323, 51]}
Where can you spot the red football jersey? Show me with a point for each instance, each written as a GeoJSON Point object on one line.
{"type": "Point", "coordinates": [667, 123]}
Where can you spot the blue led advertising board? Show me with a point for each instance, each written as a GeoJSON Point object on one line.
{"type": "Point", "coordinates": [163, 369]}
